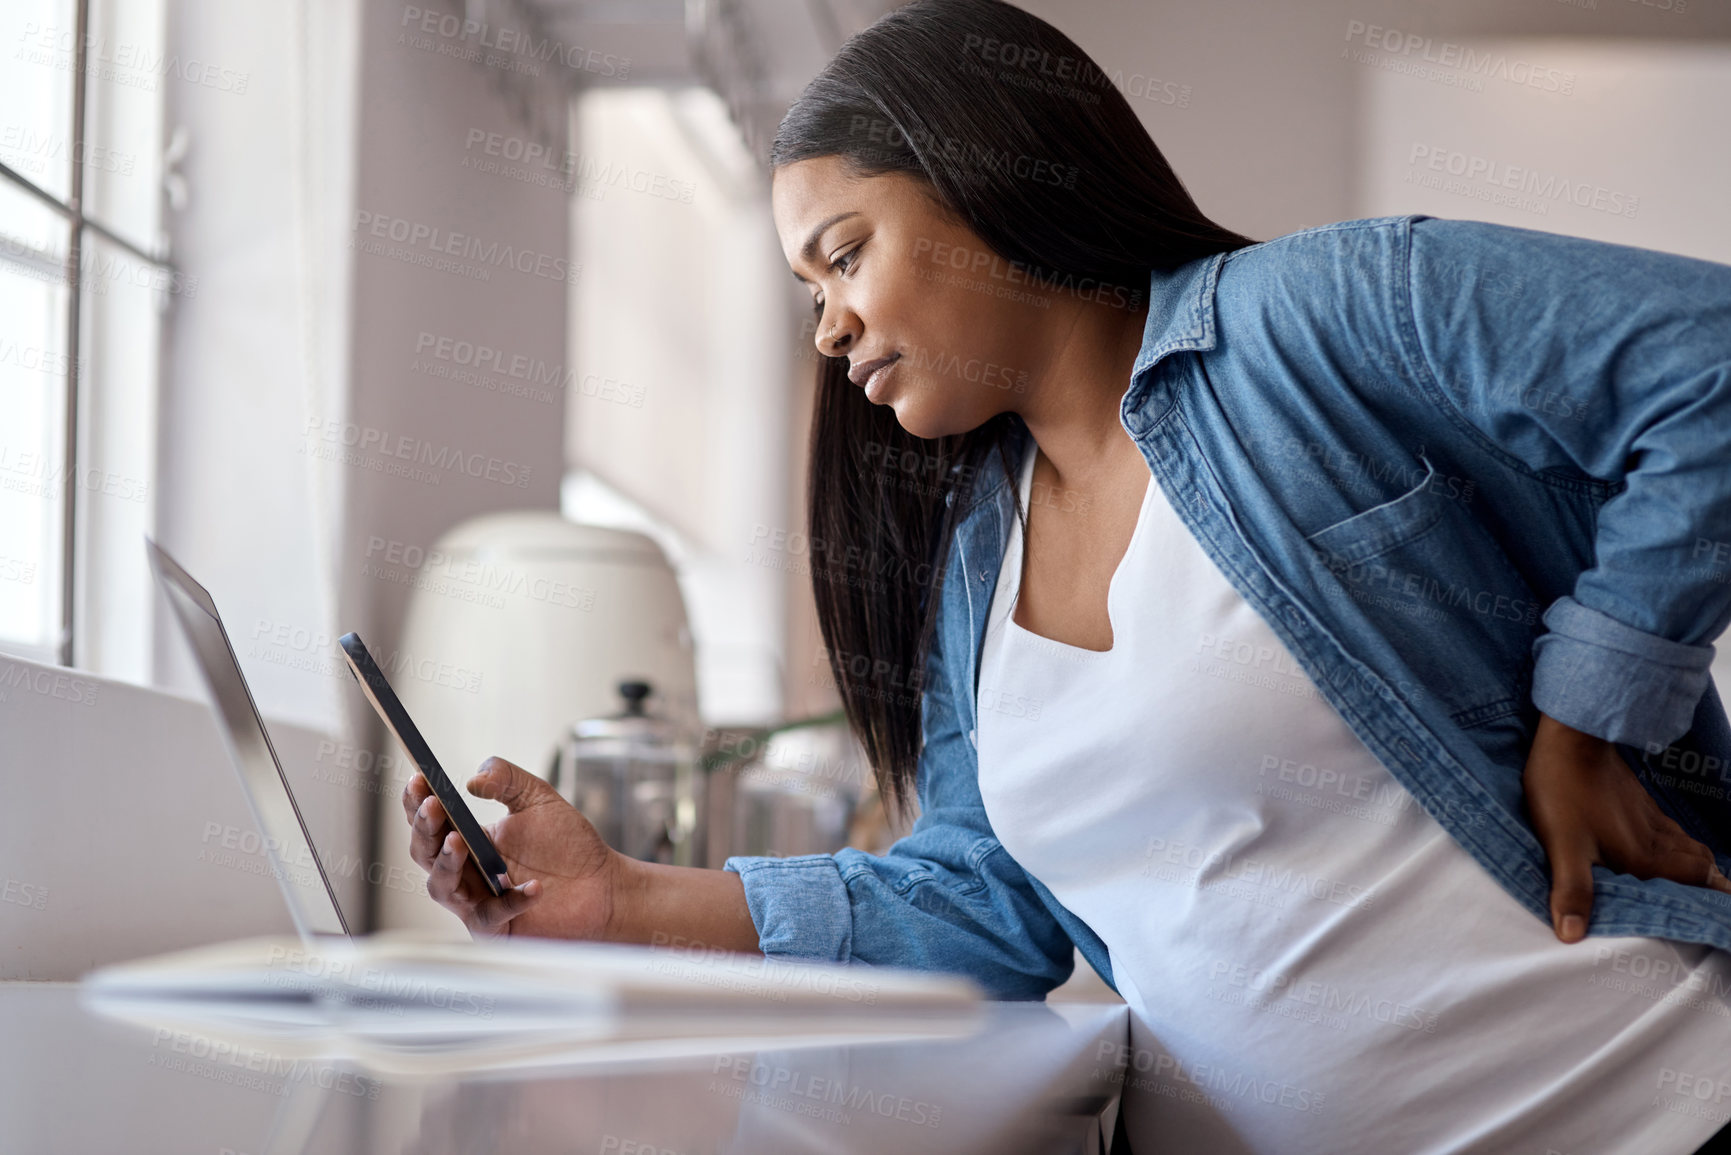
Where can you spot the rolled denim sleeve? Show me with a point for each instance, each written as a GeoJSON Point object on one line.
{"type": "Point", "coordinates": [1616, 681]}
{"type": "Point", "coordinates": [947, 897]}
{"type": "Point", "coordinates": [799, 905]}
{"type": "Point", "coordinates": [1579, 357]}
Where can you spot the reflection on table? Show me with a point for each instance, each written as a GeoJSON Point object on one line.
{"type": "Point", "coordinates": [1029, 1077]}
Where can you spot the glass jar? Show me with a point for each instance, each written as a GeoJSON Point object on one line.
{"type": "Point", "coordinates": [634, 776]}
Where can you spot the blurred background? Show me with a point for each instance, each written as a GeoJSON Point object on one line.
{"type": "Point", "coordinates": [463, 324]}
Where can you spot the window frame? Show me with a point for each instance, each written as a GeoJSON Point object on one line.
{"type": "Point", "coordinates": [71, 211]}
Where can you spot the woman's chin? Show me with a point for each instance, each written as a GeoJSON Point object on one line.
{"type": "Point", "coordinates": [923, 422]}
{"type": "Point", "coordinates": [917, 423]}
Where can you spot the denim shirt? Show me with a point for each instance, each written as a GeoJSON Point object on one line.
{"type": "Point", "coordinates": [1466, 472]}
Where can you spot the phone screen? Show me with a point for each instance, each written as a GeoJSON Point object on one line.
{"type": "Point", "coordinates": [390, 709]}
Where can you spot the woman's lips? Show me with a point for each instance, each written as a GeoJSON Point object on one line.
{"type": "Point", "coordinates": [871, 374]}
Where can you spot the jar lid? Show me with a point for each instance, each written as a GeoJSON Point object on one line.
{"type": "Point", "coordinates": [633, 723]}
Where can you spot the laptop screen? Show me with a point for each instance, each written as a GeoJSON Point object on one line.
{"type": "Point", "coordinates": [293, 861]}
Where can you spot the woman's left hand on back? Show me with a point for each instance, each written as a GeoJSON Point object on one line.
{"type": "Point", "coordinates": [1587, 806]}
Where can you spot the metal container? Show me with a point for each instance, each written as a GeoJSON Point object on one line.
{"type": "Point", "coordinates": [634, 775]}
{"type": "Point", "coordinates": [792, 791]}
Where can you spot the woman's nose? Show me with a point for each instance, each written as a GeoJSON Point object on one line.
{"type": "Point", "coordinates": [836, 341]}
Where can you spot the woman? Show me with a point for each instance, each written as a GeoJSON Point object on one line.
{"type": "Point", "coordinates": [1314, 633]}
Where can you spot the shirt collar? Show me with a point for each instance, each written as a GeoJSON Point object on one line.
{"type": "Point", "coordinates": [1180, 317]}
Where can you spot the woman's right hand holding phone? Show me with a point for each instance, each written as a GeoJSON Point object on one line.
{"type": "Point", "coordinates": [570, 883]}
{"type": "Point", "coordinates": [568, 877]}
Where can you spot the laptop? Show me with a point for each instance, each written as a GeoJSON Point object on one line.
{"type": "Point", "coordinates": [295, 862]}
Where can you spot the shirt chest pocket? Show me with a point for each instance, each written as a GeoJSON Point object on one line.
{"type": "Point", "coordinates": [1383, 527]}
{"type": "Point", "coordinates": [1421, 573]}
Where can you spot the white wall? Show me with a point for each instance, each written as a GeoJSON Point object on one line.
{"type": "Point", "coordinates": [418, 113]}
{"type": "Point", "coordinates": [1642, 127]}
{"type": "Point", "coordinates": [125, 832]}
{"type": "Point", "coordinates": [679, 338]}
{"type": "Point", "coordinates": [1245, 97]}
{"type": "Point", "coordinates": [1256, 103]}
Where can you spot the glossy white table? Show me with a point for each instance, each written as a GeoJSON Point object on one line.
{"type": "Point", "coordinates": [1033, 1078]}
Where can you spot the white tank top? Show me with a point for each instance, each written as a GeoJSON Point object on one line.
{"type": "Point", "coordinates": [1312, 964]}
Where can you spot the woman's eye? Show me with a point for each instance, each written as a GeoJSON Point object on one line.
{"type": "Point", "coordinates": [841, 264]}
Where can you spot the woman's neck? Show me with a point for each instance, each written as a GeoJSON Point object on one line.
{"type": "Point", "coordinates": [1072, 408]}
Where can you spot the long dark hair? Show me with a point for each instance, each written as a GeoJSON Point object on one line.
{"type": "Point", "coordinates": [963, 94]}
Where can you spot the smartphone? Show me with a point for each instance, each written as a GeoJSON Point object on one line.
{"type": "Point", "coordinates": [390, 708]}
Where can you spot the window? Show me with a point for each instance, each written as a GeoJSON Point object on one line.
{"type": "Point", "coordinates": [83, 285]}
